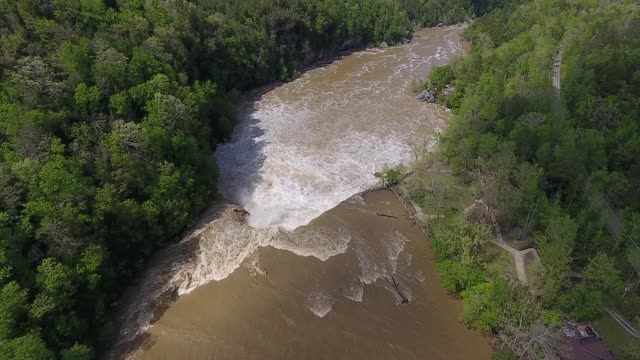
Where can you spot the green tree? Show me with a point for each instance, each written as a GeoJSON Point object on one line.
{"type": "Point", "coordinates": [110, 71]}
{"type": "Point", "coordinates": [391, 175]}
{"type": "Point", "coordinates": [28, 347]}
{"type": "Point", "coordinates": [583, 302]}
{"type": "Point", "coordinates": [631, 351]}
{"type": "Point", "coordinates": [87, 99]}
{"type": "Point", "coordinates": [504, 354]}
{"type": "Point", "coordinates": [78, 352]}
{"type": "Point", "coordinates": [461, 241]}
{"type": "Point", "coordinates": [480, 310]}
{"type": "Point", "coordinates": [601, 273]}
{"type": "Point", "coordinates": [12, 309]}
{"type": "Point", "coordinates": [456, 277]}
{"type": "Point", "coordinates": [441, 76]}
{"type": "Point", "coordinates": [56, 286]}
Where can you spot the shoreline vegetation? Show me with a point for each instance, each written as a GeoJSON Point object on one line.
{"type": "Point", "coordinates": [109, 114]}
{"type": "Point", "coordinates": [543, 133]}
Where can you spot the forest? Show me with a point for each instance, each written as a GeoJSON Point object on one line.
{"type": "Point", "coordinates": [546, 126]}
{"type": "Point", "coordinates": [110, 112]}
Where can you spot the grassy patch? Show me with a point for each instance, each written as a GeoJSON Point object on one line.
{"type": "Point", "coordinates": [530, 267]}
{"type": "Point", "coordinates": [613, 333]}
{"type": "Point", "coordinates": [499, 262]}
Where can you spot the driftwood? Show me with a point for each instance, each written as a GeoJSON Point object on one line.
{"type": "Point", "coordinates": [385, 215]}
{"type": "Point", "coordinates": [403, 298]}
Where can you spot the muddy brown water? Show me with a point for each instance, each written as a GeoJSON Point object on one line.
{"type": "Point", "coordinates": [309, 273]}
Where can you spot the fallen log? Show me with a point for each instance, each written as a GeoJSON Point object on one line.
{"type": "Point", "coordinates": [393, 284]}
{"type": "Point", "coordinates": [385, 215]}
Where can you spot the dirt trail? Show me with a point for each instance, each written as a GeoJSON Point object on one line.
{"type": "Point", "coordinates": [519, 256]}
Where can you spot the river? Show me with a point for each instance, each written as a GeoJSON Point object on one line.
{"type": "Point", "coordinates": [314, 268]}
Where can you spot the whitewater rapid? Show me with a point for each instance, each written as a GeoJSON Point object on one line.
{"type": "Point", "coordinates": [305, 146]}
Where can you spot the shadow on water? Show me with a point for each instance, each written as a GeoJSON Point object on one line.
{"type": "Point", "coordinates": [241, 159]}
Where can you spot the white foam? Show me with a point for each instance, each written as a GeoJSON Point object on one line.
{"type": "Point", "coordinates": [394, 248]}
{"type": "Point", "coordinates": [320, 303]}
{"type": "Point", "coordinates": [354, 291]}
{"type": "Point", "coordinates": [308, 242]}
{"type": "Point", "coordinates": [222, 249]}
{"type": "Point", "coordinates": [374, 265]}
{"type": "Point", "coordinates": [252, 264]}
{"type": "Point", "coordinates": [224, 245]}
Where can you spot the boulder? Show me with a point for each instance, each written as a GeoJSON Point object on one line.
{"type": "Point", "coordinates": [384, 44]}
{"type": "Point", "coordinates": [448, 89]}
{"type": "Point", "coordinates": [427, 96]}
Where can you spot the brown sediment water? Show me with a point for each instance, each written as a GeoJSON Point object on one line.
{"type": "Point", "coordinates": [316, 270]}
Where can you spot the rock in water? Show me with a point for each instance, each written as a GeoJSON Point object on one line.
{"type": "Point", "coordinates": [384, 44]}
{"type": "Point", "coordinates": [427, 96]}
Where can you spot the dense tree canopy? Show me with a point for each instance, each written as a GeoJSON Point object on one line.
{"type": "Point", "coordinates": [436, 12]}
{"type": "Point", "coordinates": [558, 165]}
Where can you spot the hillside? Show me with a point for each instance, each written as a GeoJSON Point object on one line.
{"type": "Point", "coordinates": [547, 124]}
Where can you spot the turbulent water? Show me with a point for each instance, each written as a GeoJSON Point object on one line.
{"type": "Point", "coordinates": [312, 269]}
{"type": "Point", "coordinates": [310, 144]}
